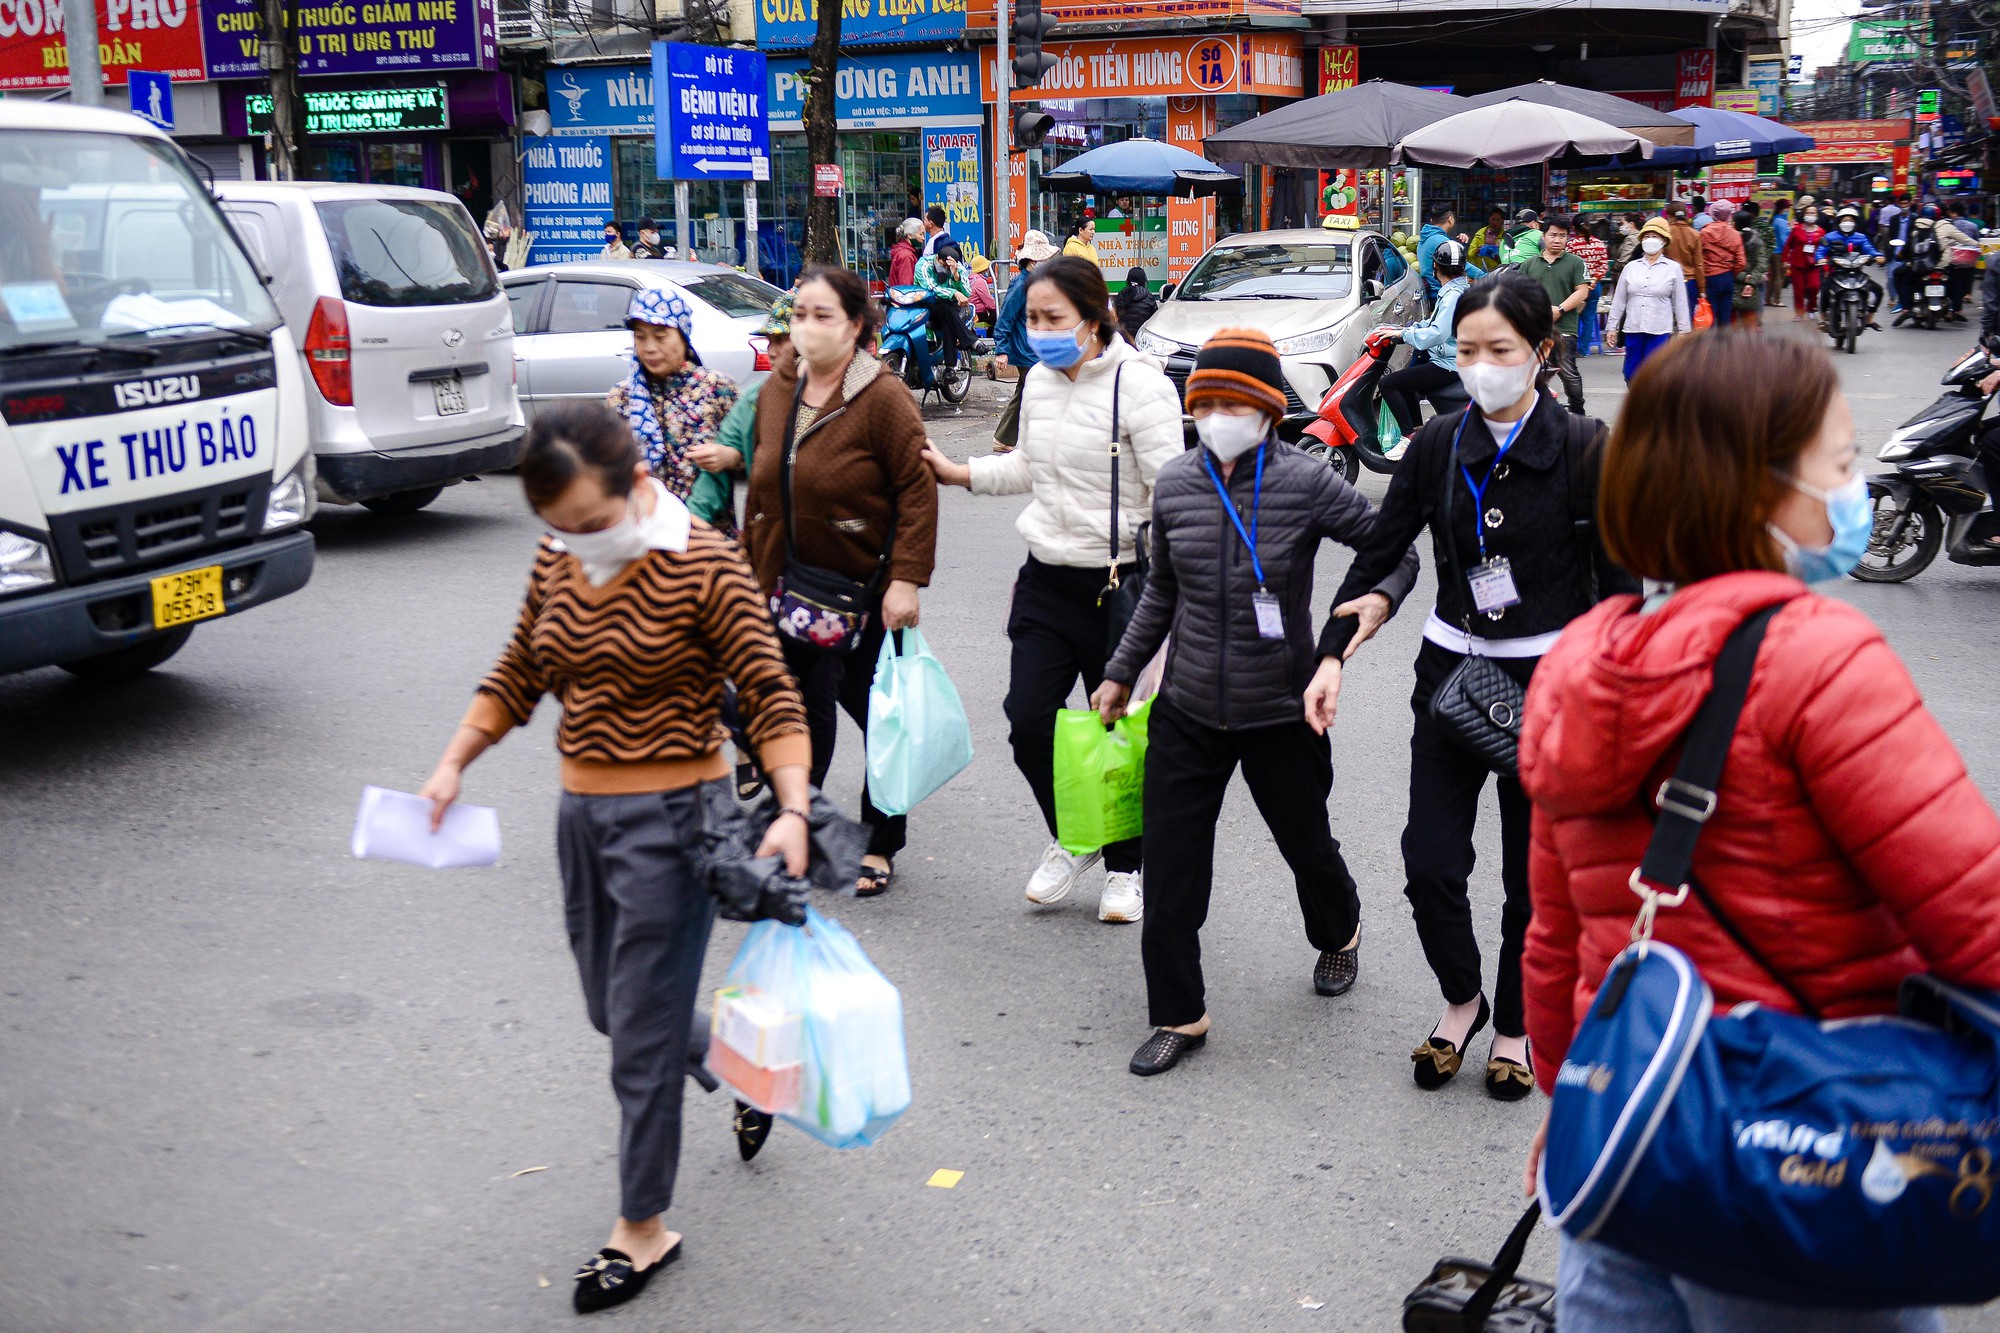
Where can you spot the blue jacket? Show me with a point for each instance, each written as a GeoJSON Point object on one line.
{"type": "Point", "coordinates": [1847, 242]}
{"type": "Point", "coordinates": [1781, 227]}
{"type": "Point", "coordinates": [1428, 240]}
{"type": "Point", "coordinates": [1433, 337]}
{"type": "Point", "coordinates": [1010, 330]}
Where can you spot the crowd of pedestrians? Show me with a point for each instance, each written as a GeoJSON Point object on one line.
{"type": "Point", "coordinates": [1728, 484]}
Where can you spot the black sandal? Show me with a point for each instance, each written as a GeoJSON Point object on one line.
{"type": "Point", "coordinates": [1337, 969]}
{"type": "Point", "coordinates": [1437, 1060]}
{"type": "Point", "coordinates": [752, 1128]}
{"type": "Point", "coordinates": [1163, 1050]}
{"type": "Point", "coordinates": [873, 881]}
{"type": "Point", "coordinates": [607, 1278]}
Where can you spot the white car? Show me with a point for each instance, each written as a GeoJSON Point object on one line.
{"type": "Point", "coordinates": [570, 339]}
{"type": "Point", "coordinates": [1315, 292]}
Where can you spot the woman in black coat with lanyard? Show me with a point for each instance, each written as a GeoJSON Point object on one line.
{"type": "Point", "coordinates": [1508, 488]}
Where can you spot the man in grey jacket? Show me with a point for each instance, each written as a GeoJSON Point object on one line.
{"type": "Point", "coordinates": [1236, 526]}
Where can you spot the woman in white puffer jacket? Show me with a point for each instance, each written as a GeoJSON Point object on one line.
{"type": "Point", "coordinates": [1087, 377]}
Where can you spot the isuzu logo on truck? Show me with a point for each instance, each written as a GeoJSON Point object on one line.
{"type": "Point", "coordinates": [151, 393]}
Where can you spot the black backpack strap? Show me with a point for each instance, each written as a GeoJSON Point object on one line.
{"type": "Point", "coordinates": [1116, 375]}
{"type": "Point", "coordinates": [1582, 433]}
{"type": "Point", "coordinates": [1688, 798]}
{"type": "Point", "coordinates": [1505, 1265]}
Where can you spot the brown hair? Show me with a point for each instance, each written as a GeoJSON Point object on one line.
{"type": "Point", "coordinates": [569, 437]}
{"type": "Point", "coordinates": [1694, 466]}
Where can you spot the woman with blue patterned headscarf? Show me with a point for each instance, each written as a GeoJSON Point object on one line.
{"type": "Point", "coordinates": [674, 404]}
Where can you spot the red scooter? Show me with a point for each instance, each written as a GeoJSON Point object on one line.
{"type": "Point", "coordinates": [1355, 427]}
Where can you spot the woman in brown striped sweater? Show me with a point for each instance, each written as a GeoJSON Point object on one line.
{"type": "Point", "coordinates": [634, 617]}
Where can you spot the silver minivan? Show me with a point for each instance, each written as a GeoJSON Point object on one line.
{"type": "Point", "coordinates": [403, 328]}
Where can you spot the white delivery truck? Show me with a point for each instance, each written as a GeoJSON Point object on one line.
{"type": "Point", "coordinates": [155, 465]}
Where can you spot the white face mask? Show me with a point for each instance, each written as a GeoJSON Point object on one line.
{"type": "Point", "coordinates": [1230, 437]}
{"type": "Point", "coordinates": [1847, 224]}
{"type": "Point", "coordinates": [819, 344]}
{"type": "Point", "coordinates": [606, 551]}
{"type": "Point", "coordinates": [1495, 388]}
{"type": "Point", "coordinates": [1652, 245]}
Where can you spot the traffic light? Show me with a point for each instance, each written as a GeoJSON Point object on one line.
{"type": "Point", "coordinates": [1031, 127]}
{"type": "Point", "coordinates": [1031, 28]}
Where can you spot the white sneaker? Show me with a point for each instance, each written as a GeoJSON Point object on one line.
{"type": "Point", "coordinates": [1057, 874]}
{"type": "Point", "coordinates": [1124, 897]}
{"type": "Point", "coordinates": [1394, 453]}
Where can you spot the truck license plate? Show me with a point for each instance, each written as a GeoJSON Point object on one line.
{"type": "Point", "coordinates": [450, 396]}
{"type": "Point", "coordinates": [191, 595]}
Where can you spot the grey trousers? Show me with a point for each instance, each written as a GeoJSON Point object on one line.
{"type": "Point", "coordinates": [638, 916]}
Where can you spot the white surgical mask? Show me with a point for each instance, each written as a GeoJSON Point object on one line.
{"type": "Point", "coordinates": [817, 343]}
{"type": "Point", "coordinates": [1847, 224]}
{"type": "Point", "coordinates": [1652, 245]}
{"type": "Point", "coordinates": [605, 552]}
{"type": "Point", "coordinates": [1230, 437]}
{"type": "Point", "coordinates": [1495, 387]}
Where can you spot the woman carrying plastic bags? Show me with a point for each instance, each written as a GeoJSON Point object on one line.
{"type": "Point", "coordinates": [1099, 419]}
{"type": "Point", "coordinates": [635, 615]}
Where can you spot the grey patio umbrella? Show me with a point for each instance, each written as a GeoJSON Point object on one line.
{"type": "Point", "coordinates": [1518, 134]}
{"type": "Point", "coordinates": [1654, 126]}
{"type": "Point", "coordinates": [1355, 127]}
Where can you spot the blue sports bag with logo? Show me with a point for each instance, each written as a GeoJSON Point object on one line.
{"type": "Point", "coordinates": [1822, 1163]}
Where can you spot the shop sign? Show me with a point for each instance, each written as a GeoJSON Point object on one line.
{"type": "Point", "coordinates": [1765, 76]}
{"type": "Point", "coordinates": [1270, 65]}
{"type": "Point", "coordinates": [1736, 99]}
{"type": "Point", "coordinates": [1190, 222]}
{"type": "Point", "coordinates": [1927, 106]}
{"type": "Point", "coordinates": [1829, 133]}
{"type": "Point", "coordinates": [1734, 181]}
{"type": "Point", "coordinates": [1339, 68]}
{"type": "Point", "coordinates": [1660, 100]}
{"type": "Point", "coordinates": [1124, 244]}
{"type": "Point", "coordinates": [350, 37]}
{"type": "Point", "coordinates": [793, 24]}
{"type": "Point", "coordinates": [1695, 82]}
{"type": "Point", "coordinates": [566, 197]}
{"type": "Point", "coordinates": [162, 35]}
{"type": "Point", "coordinates": [600, 99]}
{"type": "Point", "coordinates": [954, 179]}
{"type": "Point", "coordinates": [828, 181]}
{"type": "Point", "coordinates": [979, 13]}
{"type": "Point", "coordinates": [361, 110]}
{"type": "Point", "coordinates": [1980, 89]}
{"type": "Point", "coordinates": [879, 91]}
{"type": "Point", "coordinates": [710, 109]}
{"type": "Point", "coordinates": [1871, 40]}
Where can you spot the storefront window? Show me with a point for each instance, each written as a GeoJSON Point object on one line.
{"type": "Point", "coordinates": [715, 208]}
{"type": "Point", "coordinates": [370, 161]}
{"type": "Point", "coordinates": [880, 168]}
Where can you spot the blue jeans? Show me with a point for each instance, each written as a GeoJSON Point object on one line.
{"type": "Point", "coordinates": [1602, 1290]}
{"type": "Point", "coordinates": [1722, 297]}
{"type": "Point", "coordinates": [1639, 346]}
{"type": "Point", "coordinates": [1587, 336]}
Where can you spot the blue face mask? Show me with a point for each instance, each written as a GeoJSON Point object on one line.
{"type": "Point", "coordinates": [1059, 350]}
{"type": "Point", "coordinates": [1853, 519]}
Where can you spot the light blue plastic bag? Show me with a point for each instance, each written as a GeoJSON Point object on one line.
{"type": "Point", "coordinates": [918, 738]}
{"type": "Point", "coordinates": [856, 1079]}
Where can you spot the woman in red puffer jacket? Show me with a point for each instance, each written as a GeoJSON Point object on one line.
{"type": "Point", "coordinates": [1849, 843]}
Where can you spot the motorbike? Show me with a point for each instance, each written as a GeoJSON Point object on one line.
{"type": "Point", "coordinates": [909, 348]}
{"type": "Point", "coordinates": [1843, 299]}
{"type": "Point", "coordinates": [1355, 428]}
{"type": "Point", "coordinates": [1927, 305]}
{"type": "Point", "coordinates": [1939, 489]}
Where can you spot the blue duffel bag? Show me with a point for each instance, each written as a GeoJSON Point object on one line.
{"type": "Point", "coordinates": [1846, 1163]}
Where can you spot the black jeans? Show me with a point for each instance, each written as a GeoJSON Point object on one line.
{"type": "Point", "coordinates": [830, 684]}
{"type": "Point", "coordinates": [1290, 773]}
{"type": "Point", "coordinates": [1438, 859]}
{"type": "Point", "coordinates": [1566, 371]}
{"type": "Point", "coordinates": [1058, 630]}
{"type": "Point", "coordinates": [953, 333]}
{"type": "Point", "coordinates": [639, 912]}
{"type": "Point", "coordinates": [1958, 285]}
{"type": "Point", "coordinates": [1420, 379]}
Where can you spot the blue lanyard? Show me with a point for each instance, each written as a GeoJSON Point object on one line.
{"type": "Point", "coordinates": [1256, 499]}
{"type": "Point", "coordinates": [1478, 488]}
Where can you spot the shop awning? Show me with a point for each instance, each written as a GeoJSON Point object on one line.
{"type": "Point", "coordinates": [1355, 127]}
{"type": "Point", "coordinates": [1518, 134]}
{"type": "Point", "coordinates": [1140, 166]}
{"type": "Point", "coordinates": [1656, 127]}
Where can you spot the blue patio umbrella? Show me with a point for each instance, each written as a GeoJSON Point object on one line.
{"type": "Point", "coordinates": [1140, 166]}
{"type": "Point", "coordinates": [1730, 136]}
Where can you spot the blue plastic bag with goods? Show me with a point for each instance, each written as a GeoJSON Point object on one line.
{"type": "Point", "coordinates": [918, 737]}
{"type": "Point", "coordinates": [855, 1077]}
{"type": "Point", "coordinates": [1100, 778]}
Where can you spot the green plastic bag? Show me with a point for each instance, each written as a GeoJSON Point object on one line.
{"type": "Point", "coordinates": [1100, 778]}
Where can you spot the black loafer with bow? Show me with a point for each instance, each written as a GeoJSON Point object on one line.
{"type": "Point", "coordinates": [607, 1278]}
{"type": "Point", "coordinates": [1163, 1050]}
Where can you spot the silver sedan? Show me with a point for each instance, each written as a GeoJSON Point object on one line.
{"type": "Point", "coordinates": [570, 339]}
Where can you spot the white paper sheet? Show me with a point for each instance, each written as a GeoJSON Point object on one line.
{"type": "Point", "coordinates": [396, 826]}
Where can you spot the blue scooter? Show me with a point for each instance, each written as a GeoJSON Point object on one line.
{"type": "Point", "coordinates": [910, 348]}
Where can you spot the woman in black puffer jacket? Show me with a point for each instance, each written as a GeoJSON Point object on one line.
{"type": "Point", "coordinates": [1135, 303]}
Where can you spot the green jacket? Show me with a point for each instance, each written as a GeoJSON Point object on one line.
{"type": "Point", "coordinates": [937, 284]}
{"type": "Point", "coordinates": [715, 492]}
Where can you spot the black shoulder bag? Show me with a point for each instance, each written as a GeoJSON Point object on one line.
{"type": "Point", "coordinates": [821, 608]}
{"type": "Point", "coordinates": [1478, 704]}
{"type": "Point", "coordinates": [1466, 1296]}
{"type": "Point", "coordinates": [1120, 596]}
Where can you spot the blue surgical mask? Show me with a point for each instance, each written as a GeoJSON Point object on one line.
{"type": "Point", "coordinates": [1853, 520]}
{"type": "Point", "coordinates": [1059, 350]}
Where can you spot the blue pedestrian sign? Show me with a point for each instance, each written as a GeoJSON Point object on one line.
{"type": "Point", "coordinates": [710, 121]}
{"type": "Point", "coordinates": [152, 97]}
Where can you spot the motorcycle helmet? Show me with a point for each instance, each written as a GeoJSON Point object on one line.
{"type": "Point", "coordinates": [1848, 218]}
{"type": "Point", "coordinates": [1448, 258]}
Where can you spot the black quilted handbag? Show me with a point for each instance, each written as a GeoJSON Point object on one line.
{"type": "Point", "coordinates": [1478, 705]}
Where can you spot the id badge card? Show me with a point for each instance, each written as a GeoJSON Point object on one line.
{"type": "Point", "coordinates": [1270, 620]}
{"type": "Point", "coordinates": [1493, 585]}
